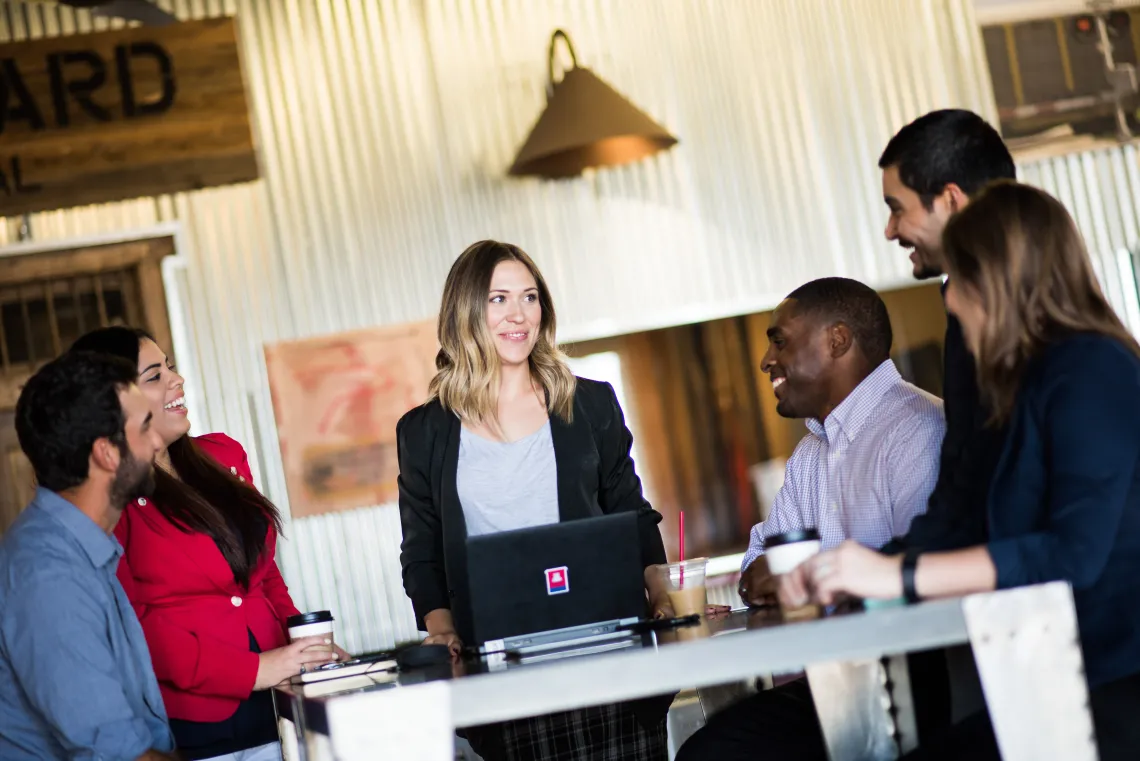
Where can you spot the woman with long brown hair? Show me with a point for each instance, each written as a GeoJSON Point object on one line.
{"type": "Point", "coordinates": [1062, 375]}
{"type": "Point", "coordinates": [198, 566]}
{"type": "Point", "coordinates": [511, 439]}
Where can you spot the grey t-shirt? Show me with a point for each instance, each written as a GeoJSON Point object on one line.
{"type": "Point", "coordinates": [507, 485]}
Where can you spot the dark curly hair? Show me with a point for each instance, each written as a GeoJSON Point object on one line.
{"type": "Point", "coordinates": [854, 304]}
{"type": "Point", "coordinates": [948, 146]}
{"type": "Point", "coordinates": [67, 406]}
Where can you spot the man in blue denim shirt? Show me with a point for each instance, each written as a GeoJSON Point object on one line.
{"type": "Point", "coordinates": [75, 675]}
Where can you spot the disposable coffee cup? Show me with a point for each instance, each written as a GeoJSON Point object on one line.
{"type": "Point", "coordinates": [784, 552]}
{"type": "Point", "coordinates": [314, 624]}
{"type": "Point", "coordinates": [685, 584]}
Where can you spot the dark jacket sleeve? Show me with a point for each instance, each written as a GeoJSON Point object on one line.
{"type": "Point", "coordinates": [619, 488]}
{"type": "Point", "coordinates": [1089, 416]}
{"type": "Point", "coordinates": [956, 512]}
{"type": "Point", "coordinates": [421, 551]}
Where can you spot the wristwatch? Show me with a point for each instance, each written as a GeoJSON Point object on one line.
{"type": "Point", "coordinates": [909, 565]}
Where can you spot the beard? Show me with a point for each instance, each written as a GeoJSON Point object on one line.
{"type": "Point", "coordinates": [133, 479]}
{"type": "Point", "coordinates": [926, 271]}
{"type": "Point", "coordinates": [926, 265]}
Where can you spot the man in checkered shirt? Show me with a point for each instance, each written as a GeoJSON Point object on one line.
{"type": "Point", "coordinates": [870, 460]}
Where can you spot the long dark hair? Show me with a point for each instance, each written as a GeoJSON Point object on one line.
{"type": "Point", "coordinates": [1019, 249]}
{"type": "Point", "coordinates": [195, 504]}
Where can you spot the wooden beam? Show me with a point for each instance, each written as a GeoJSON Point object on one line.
{"type": "Point", "coordinates": [55, 265]}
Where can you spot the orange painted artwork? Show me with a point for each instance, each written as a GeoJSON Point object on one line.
{"type": "Point", "coordinates": [337, 400]}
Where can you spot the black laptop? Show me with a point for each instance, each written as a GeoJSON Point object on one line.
{"type": "Point", "coordinates": [576, 581]}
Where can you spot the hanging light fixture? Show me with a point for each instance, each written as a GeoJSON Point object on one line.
{"type": "Point", "coordinates": [586, 124]}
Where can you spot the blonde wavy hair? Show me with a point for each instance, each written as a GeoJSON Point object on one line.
{"type": "Point", "coordinates": [467, 381]}
{"type": "Point", "coordinates": [1018, 249]}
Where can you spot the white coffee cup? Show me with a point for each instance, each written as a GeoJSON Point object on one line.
{"type": "Point", "coordinates": [786, 551]}
{"type": "Point", "coordinates": [313, 624]}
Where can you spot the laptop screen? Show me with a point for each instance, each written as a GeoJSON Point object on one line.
{"type": "Point", "coordinates": [556, 576]}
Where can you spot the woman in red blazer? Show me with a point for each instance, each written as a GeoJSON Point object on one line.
{"type": "Point", "coordinates": [198, 566]}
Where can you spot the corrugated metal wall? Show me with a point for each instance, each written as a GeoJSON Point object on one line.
{"type": "Point", "coordinates": [1101, 189]}
{"type": "Point", "coordinates": [386, 127]}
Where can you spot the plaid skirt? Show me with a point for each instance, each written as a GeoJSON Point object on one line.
{"type": "Point", "coordinates": [601, 733]}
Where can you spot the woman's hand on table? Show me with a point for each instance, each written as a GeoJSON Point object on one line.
{"type": "Point", "coordinates": [662, 608]}
{"type": "Point", "coordinates": [451, 639]}
{"type": "Point", "coordinates": [341, 654]}
{"type": "Point", "coordinates": [277, 665]}
{"type": "Point", "coordinates": [849, 570]}
{"type": "Point", "coordinates": [441, 631]}
{"type": "Point", "coordinates": [658, 592]}
{"type": "Point", "coordinates": [717, 611]}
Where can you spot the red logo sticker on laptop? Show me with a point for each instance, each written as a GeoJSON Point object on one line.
{"type": "Point", "coordinates": [557, 580]}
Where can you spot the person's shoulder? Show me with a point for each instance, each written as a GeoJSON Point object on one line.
{"type": "Point", "coordinates": [914, 402]}
{"type": "Point", "coordinates": [1086, 351]}
{"type": "Point", "coordinates": [422, 421]}
{"type": "Point", "coordinates": [807, 449]}
{"type": "Point", "coordinates": [40, 523]}
{"type": "Point", "coordinates": [593, 394]}
{"type": "Point", "coordinates": [36, 553]}
{"type": "Point", "coordinates": [1091, 363]}
{"type": "Point", "coordinates": [220, 446]}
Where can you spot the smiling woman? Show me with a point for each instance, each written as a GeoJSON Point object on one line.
{"type": "Point", "coordinates": [500, 321]}
{"type": "Point", "coordinates": [198, 567]}
{"type": "Point", "coordinates": [511, 439]}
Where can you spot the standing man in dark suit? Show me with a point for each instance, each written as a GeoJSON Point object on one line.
{"type": "Point", "coordinates": [930, 168]}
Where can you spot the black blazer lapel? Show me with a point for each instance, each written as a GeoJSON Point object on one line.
{"type": "Point", "coordinates": [576, 459]}
{"type": "Point", "coordinates": [454, 528]}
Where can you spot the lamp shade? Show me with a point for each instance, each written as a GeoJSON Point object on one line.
{"type": "Point", "coordinates": [586, 123]}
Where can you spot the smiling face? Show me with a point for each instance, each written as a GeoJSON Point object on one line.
{"type": "Point", "coordinates": [914, 226]}
{"type": "Point", "coordinates": [162, 387]}
{"type": "Point", "coordinates": [798, 361]}
{"type": "Point", "coordinates": [514, 314]}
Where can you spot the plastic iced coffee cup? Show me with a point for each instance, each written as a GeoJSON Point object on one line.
{"type": "Point", "coordinates": [313, 624]}
{"type": "Point", "coordinates": [784, 552]}
{"type": "Point", "coordinates": [685, 583]}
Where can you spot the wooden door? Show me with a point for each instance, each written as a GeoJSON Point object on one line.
{"type": "Point", "coordinates": [49, 299]}
{"type": "Point", "coordinates": [17, 483]}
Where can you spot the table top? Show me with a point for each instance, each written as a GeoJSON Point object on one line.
{"type": "Point", "coordinates": [739, 646]}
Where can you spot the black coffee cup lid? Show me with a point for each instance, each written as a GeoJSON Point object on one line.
{"type": "Point", "coordinates": [791, 537]}
{"type": "Point", "coordinates": [314, 617]}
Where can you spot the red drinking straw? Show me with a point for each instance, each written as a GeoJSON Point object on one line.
{"type": "Point", "coordinates": [682, 580]}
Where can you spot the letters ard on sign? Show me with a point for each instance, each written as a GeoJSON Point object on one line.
{"type": "Point", "coordinates": [123, 113]}
{"type": "Point", "coordinates": [75, 76]}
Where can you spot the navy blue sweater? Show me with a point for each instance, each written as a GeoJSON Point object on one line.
{"type": "Point", "coordinates": [1064, 503]}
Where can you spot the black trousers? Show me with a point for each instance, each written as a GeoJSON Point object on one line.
{"type": "Point", "coordinates": [1115, 709]}
{"type": "Point", "coordinates": [781, 724]}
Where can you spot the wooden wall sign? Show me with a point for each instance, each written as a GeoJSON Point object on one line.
{"type": "Point", "coordinates": [91, 118]}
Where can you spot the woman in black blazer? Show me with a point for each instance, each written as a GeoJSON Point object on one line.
{"type": "Point", "coordinates": [510, 438]}
{"type": "Point", "coordinates": [1063, 373]}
